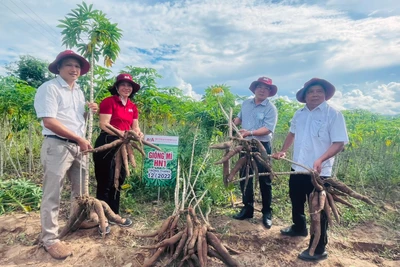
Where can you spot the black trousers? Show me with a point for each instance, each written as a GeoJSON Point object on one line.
{"type": "Point", "coordinates": [300, 187]}
{"type": "Point", "coordinates": [265, 185]}
{"type": "Point", "coordinates": [104, 168]}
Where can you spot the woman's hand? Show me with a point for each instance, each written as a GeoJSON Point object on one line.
{"type": "Point", "coordinates": [140, 134]}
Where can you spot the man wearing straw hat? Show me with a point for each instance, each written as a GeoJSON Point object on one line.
{"type": "Point", "coordinates": [258, 117]}
{"type": "Point", "coordinates": [318, 132]}
{"type": "Point", "coordinates": [60, 104]}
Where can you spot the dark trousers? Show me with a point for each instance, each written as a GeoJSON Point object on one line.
{"type": "Point", "coordinates": [300, 187]}
{"type": "Point", "coordinates": [104, 168]}
{"type": "Point", "coordinates": [265, 185]}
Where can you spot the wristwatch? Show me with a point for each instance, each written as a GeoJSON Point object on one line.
{"type": "Point", "coordinates": [251, 132]}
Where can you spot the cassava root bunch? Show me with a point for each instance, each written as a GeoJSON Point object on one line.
{"type": "Point", "coordinates": [327, 192]}
{"type": "Point", "coordinates": [248, 159]}
{"type": "Point", "coordinates": [124, 155]}
{"type": "Point", "coordinates": [188, 243]}
{"type": "Point", "coordinates": [83, 206]}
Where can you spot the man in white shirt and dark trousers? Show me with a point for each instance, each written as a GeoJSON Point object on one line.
{"type": "Point", "coordinates": [60, 104]}
{"type": "Point", "coordinates": [258, 117]}
{"type": "Point", "coordinates": [318, 132]}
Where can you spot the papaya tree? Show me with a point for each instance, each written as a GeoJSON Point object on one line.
{"type": "Point", "coordinates": [92, 33]}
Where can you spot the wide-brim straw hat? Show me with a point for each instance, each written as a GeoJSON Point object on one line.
{"type": "Point", "coordinates": [328, 87]}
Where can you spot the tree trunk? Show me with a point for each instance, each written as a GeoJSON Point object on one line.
{"type": "Point", "coordinates": [2, 129]}
{"type": "Point", "coordinates": [30, 154]}
{"type": "Point", "coordinates": [90, 121]}
{"type": "Point", "coordinates": [8, 154]}
{"type": "Point", "coordinates": [17, 157]}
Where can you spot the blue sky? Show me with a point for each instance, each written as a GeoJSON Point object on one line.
{"type": "Point", "coordinates": [194, 44]}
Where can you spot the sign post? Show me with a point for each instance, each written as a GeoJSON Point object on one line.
{"type": "Point", "coordinates": [160, 167]}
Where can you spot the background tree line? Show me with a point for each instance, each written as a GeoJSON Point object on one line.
{"type": "Point", "coordinates": [369, 162]}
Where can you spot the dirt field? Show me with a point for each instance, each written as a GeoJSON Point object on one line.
{"type": "Point", "coordinates": [366, 245]}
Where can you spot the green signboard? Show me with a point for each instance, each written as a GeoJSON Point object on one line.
{"type": "Point", "coordinates": [160, 167]}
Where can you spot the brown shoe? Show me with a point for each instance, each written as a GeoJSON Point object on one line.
{"type": "Point", "coordinates": [59, 251]}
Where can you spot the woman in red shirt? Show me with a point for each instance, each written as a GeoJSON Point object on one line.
{"type": "Point", "coordinates": [120, 112]}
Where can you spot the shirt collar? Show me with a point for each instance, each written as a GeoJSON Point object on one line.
{"type": "Point", "coordinates": [264, 103]}
{"type": "Point", "coordinates": [321, 107]}
{"type": "Point", "coordinates": [64, 84]}
{"type": "Point", "coordinates": [116, 98]}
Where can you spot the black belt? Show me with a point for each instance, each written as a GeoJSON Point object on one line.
{"type": "Point", "coordinates": [62, 139]}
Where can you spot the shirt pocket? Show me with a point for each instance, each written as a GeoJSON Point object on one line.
{"type": "Point", "coordinates": [260, 116]}
{"type": "Point", "coordinates": [65, 103]}
{"type": "Point", "coordinates": [319, 129]}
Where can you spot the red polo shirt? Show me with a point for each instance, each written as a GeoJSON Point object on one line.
{"type": "Point", "coordinates": [121, 116]}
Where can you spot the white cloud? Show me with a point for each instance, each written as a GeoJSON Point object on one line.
{"type": "Point", "coordinates": [233, 42]}
{"type": "Point", "coordinates": [368, 44]}
{"type": "Point", "coordinates": [376, 97]}
{"type": "Point", "coordinates": [370, 7]}
{"type": "Point", "coordinates": [2, 70]}
{"type": "Point", "coordinates": [171, 79]}
{"type": "Point", "coordinates": [188, 90]}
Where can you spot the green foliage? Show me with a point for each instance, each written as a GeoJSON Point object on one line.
{"type": "Point", "coordinates": [208, 113]}
{"type": "Point", "coordinates": [135, 194]}
{"type": "Point", "coordinates": [31, 70]}
{"type": "Point", "coordinates": [369, 163]}
{"type": "Point", "coordinates": [92, 33]}
{"type": "Point", "coordinates": [159, 107]}
{"type": "Point", "coordinates": [22, 195]}
{"type": "Point", "coordinates": [146, 77]}
{"type": "Point", "coordinates": [102, 78]}
{"type": "Point", "coordinates": [16, 98]}
{"type": "Point", "coordinates": [286, 110]}
{"type": "Point", "coordinates": [189, 134]}
{"type": "Point", "coordinates": [363, 124]}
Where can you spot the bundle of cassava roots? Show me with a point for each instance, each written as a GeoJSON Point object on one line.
{"type": "Point", "coordinates": [86, 207]}
{"type": "Point", "coordinates": [187, 241]}
{"type": "Point", "coordinates": [327, 192]}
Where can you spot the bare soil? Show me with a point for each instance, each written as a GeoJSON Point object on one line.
{"type": "Point", "coordinates": [365, 245]}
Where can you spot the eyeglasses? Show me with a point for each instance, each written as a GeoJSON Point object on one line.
{"type": "Point", "coordinates": [263, 87]}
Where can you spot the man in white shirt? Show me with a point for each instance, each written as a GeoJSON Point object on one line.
{"type": "Point", "coordinates": [60, 104]}
{"type": "Point", "coordinates": [318, 132]}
